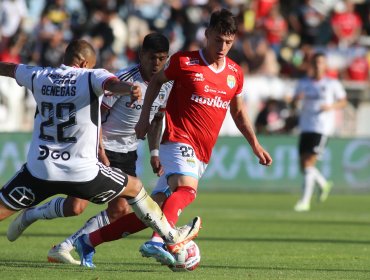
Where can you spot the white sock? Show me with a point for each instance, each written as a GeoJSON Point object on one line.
{"type": "Point", "coordinates": [50, 210]}
{"type": "Point", "coordinates": [320, 179]}
{"type": "Point", "coordinates": [157, 239]}
{"type": "Point", "coordinates": [98, 221]}
{"type": "Point", "coordinates": [308, 185]}
{"type": "Point", "coordinates": [150, 214]}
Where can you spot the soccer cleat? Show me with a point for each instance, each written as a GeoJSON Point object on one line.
{"type": "Point", "coordinates": [185, 234]}
{"type": "Point", "coordinates": [157, 250]}
{"type": "Point", "coordinates": [302, 207]}
{"type": "Point", "coordinates": [18, 226]}
{"type": "Point", "coordinates": [325, 191]}
{"type": "Point", "coordinates": [58, 254]}
{"type": "Point", "coordinates": [85, 251]}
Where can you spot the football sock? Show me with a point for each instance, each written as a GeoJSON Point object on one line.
{"type": "Point", "coordinates": [98, 221]}
{"type": "Point", "coordinates": [50, 210]}
{"type": "Point", "coordinates": [320, 179]}
{"type": "Point", "coordinates": [308, 184]}
{"type": "Point", "coordinates": [151, 214]}
{"type": "Point", "coordinates": [121, 228]}
{"type": "Point", "coordinates": [174, 204]}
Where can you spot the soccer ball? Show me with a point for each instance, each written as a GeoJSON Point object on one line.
{"type": "Point", "coordinates": [187, 259]}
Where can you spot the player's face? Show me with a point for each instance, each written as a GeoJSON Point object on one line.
{"type": "Point", "coordinates": [218, 45]}
{"type": "Point", "coordinates": [152, 62]}
{"type": "Point", "coordinates": [319, 66]}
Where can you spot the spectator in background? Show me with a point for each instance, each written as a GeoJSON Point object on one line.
{"type": "Point", "coordinates": [320, 96]}
{"type": "Point", "coordinates": [271, 119]}
{"type": "Point", "coordinates": [275, 27]}
{"type": "Point", "coordinates": [12, 14]}
{"type": "Point", "coordinates": [346, 24]}
{"type": "Point", "coordinates": [309, 23]}
{"type": "Point", "coordinates": [11, 94]}
{"type": "Point", "coordinates": [358, 69]}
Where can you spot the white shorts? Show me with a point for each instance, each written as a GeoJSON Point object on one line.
{"type": "Point", "coordinates": [178, 158]}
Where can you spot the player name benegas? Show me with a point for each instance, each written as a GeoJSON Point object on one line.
{"type": "Point", "coordinates": [58, 90]}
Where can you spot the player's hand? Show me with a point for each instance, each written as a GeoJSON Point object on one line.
{"type": "Point", "coordinates": [135, 93]}
{"type": "Point", "coordinates": [103, 157]}
{"type": "Point", "coordinates": [325, 108]}
{"type": "Point", "coordinates": [263, 156]}
{"type": "Point", "coordinates": [156, 165]}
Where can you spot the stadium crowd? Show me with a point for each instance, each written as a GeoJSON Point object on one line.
{"type": "Point", "coordinates": [275, 42]}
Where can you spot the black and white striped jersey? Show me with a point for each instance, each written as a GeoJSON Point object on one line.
{"type": "Point", "coordinates": [118, 123]}
{"type": "Point", "coordinates": [67, 121]}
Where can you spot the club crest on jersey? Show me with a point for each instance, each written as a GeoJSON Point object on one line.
{"type": "Point", "coordinates": [231, 82]}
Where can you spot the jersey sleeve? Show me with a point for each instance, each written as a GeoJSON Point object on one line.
{"type": "Point", "coordinates": [240, 85]}
{"type": "Point", "coordinates": [172, 67]}
{"type": "Point", "coordinates": [98, 78]}
{"type": "Point", "coordinates": [24, 75]}
{"type": "Point", "coordinates": [339, 92]}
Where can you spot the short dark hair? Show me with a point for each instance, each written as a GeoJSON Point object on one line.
{"type": "Point", "coordinates": [223, 21]}
{"type": "Point", "coordinates": [78, 50]}
{"type": "Point", "coordinates": [156, 42]}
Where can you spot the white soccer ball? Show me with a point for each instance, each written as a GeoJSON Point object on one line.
{"type": "Point", "coordinates": [187, 259]}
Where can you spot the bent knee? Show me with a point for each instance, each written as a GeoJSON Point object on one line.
{"type": "Point", "coordinates": [133, 187]}
{"type": "Point", "coordinates": [74, 207]}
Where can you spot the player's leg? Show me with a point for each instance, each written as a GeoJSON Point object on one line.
{"type": "Point", "coordinates": [122, 227]}
{"type": "Point", "coordinates": [56, 208]}
{"type": "Point", "coordinates": [145, 209]}
{"type": "Point", "coordinates": [307, 166]}
{"type": "Point", "coordinates": [22, 192]}
{"type": "Point", "coordinates": [183, 181]}
{"type": "Point", "coordinates": [5, 212]}
{"type": "Point", "coordinates": [311, 146]}
{"type": "Point", "coordinates": [117, 208]}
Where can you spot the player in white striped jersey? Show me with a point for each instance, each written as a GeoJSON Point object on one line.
{"type": "Point", "coordinates": [118, 146]}
{"type": "Point", "coordinates": [63, 156]}
{"type": "Point", "coordinates": [320, 96]}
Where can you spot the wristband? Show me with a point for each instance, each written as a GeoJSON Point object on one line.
{"type": "Point", "coordinates": [154, 153]}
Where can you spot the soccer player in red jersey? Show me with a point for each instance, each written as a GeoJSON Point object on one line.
{"type": "Point", "coordinates": [206, 84]}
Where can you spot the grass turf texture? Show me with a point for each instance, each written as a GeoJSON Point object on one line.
{"type": "Point", "coordinates": [244, 236]}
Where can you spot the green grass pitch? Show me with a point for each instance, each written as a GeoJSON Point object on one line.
{"type": "Point", "coordinates": [244, 236]}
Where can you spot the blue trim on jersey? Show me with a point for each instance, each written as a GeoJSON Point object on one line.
{"type": "Point", "coordinates": [32, 78]}
{"type": "Point", "coordinates": [183, 173]}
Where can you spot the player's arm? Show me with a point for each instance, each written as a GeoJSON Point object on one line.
{"type": "Point", "coordinates": [239, 114]}
{"type": "Point", "coordinates": [151, 94]}
{"type": "Point", "coordinates": [154, 136]}
{"type": "Point", "coordinates": [118, 87]}
{"type": "Point", "coordinates": [8, 69]}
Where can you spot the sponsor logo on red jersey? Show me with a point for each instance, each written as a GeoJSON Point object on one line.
{"type": "Point", "coordinates": [216, 102]}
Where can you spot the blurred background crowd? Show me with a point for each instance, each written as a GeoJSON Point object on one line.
{"type": "Point", "coordinates": [275, 43]}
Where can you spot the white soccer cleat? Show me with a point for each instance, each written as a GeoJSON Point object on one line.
{"type": "Point", "coordinates": [184, 235]}
{"type": "Point", "coordinates": [18, 226]}
{"type": "Point", "coordinates": [58, 254]}
{"type": "Point", "coordinates": [302, 207]}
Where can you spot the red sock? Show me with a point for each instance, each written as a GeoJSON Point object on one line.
{"type": "Point", "coordinates": [176, 202]}
{"type": "Point", "coordinates": [122, 227]}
